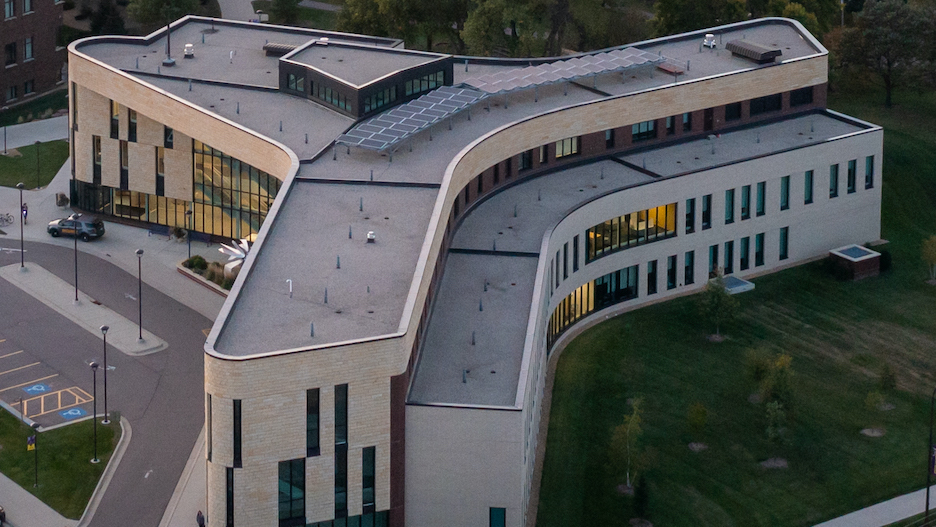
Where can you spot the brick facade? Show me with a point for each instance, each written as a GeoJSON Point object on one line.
{"type": "Point", "coordinates": [32, 63]}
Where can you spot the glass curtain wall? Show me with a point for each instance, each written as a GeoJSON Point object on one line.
{"type": "Point", "coordinates": [599, 293]}
{"type": "Point", "coordinates": [636, 228]}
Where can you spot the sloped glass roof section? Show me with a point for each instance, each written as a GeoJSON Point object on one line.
{"type": "Point", "coordinates": [393, 126]}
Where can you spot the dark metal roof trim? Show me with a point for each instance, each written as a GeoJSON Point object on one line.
{"type": "Point", "coordinates": [756, 52]}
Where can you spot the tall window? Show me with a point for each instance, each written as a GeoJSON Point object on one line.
{"type": "Point", "coordinates": [292, 493]}
{"type": "Point", "coordinates": [124, 166]}
{"type": "Point", "coordinates": [785, 193]}
{"type": "Point", "coordinates": [27, 6]}
{"type": "Point", "coordinates": [670, 125]}
{"type": "Point", "coordinates": [543, 154]}
{"type": "Point", "coordinates": [565, 261]}
{"type": "Point", "coordinates": [526, 160]}
{"type": "Point", "coordinates": [295, 82]}
{"type": "Point", "coordinates": [729, 206]}
{"type": "Point", "coordinates": [28, 47]}
{"type": "Point", "coordinates": [852, 176]}
{"type": "Point", "coordinates": [575, 253]}
{"type": "Point", "coordinates": [761, 198]}
{"type": "Point", "coordinates": [808, 187]}
{"type": "Point", "coordinates": [498, 517]}
{"type": "Point", "coordinates": [729, 257]}
{"type": "Point", "coordinates": [690, 215]}
{"type": "Point", "coordinates": [745, 253]}
{"type": "Point", "coordinates": [160, 171]}
{"type": "Point", "coordinates": [869, 172]}
{"type": "Point", "coordinates": [671, 272]}
{"type": "Point", "coordinates": [368, 477]}
{"type": "Point", "coordinates": [609, 138]}
{"type": "Point", "coordinates": [238, 461]}
{"type": "Point", "coordinates": [74, 105]}
{"type": "Point", "coordinates": [643, 131]}
{"type": "Point", "coordinates": [629, 230]}
{"type": "Point", "coordinates": [784, 243]}
{"type": "Point", "coordinates": [96, 156]}
{"type": "Point", "coordinates": [168, 137]}
{"type": "Point", "coordinates": [312, 423]}
{"type": "Point", "coordinates": [208, 426]}
{"type": "Point", "coordinates": [115, 120]}
{"type": "Point", "coordinates": [733, 111]}
{"type": "Point", "coordinates": [770, 103]}
{"type": "Point", "coordinates": [341, 451]}
{"type": "Point", "coordinates": [10, 49]}
{"type": "Point", "coordinates": [8, 10]}
{"type": "Point", "coordinates": [652, 277]}
{"type": "Point", "coordinates": [29, 86]}
{"type": "Point", "coordinates": [706, 212]}
{"type": "Point", "coordinates": [687, 122]}
{"type": "Point", "coordinates": [746, 202]}
{"type": "Point", "coordinates": [713, 261]}
{"type": "Point", "coordinates": [567, 147]}
{"type": "Point", "coordinates": [689, 271]}
{"type": "Point", "coordinates": [833, 181]}
{"type": "Point", "coordinates": [131, 125]}
{"type": "Point", "coordinates": [759, 250]}
{"type": "Point", "coordinates": [229, 497]}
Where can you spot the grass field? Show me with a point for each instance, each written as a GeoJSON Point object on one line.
{"type": "Point", "coordinates": [308, 17]}
{"type": "Point", "coordinates": [40, 107]}
{"type": "Point", "coordinates": [66, 476]}
{"type": "Point", "coordinates": [839, 335]}
{"type": "Point", "coordinates": [22, 168]}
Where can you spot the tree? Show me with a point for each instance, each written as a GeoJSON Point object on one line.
{"type": "Point", "coordinates": [106, 20]}
{"type": "Point", "coordinates": [716, 304]}
{"type": "Point", "coordinates": [680, 16]}
{"type": "Point", "coordinates": [885, 42]}
{"type": "Point", "coordinates": [929, 255]}
{"type": "Point", "coordinates": [155, 13]}
{"type": "Point", "coordinates": [624, 441]}
{"type": "Point", "coordinates": [284, 11]}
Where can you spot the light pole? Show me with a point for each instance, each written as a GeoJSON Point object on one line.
{"type": "Point", "coordinates": [19, 186]}
{"type": "Point", "coordinates": [76, 263]}
{"type": "Point", "coordinates": [930, 459]}
{"type": "Point", "coordinates": [37, 164]}
{"type": "Point", "coordinates": [168, 61]}
{"type": "Point", "coordinates": [106, 420]}
{"type": "Point", "coordinates": [188, 236]}
{"type": "Point", "coordinates": [139, 253]}
{"type": "Point", "coordinates": [35, 427]}
{"type": "Point", "coordinates": [94, 367]}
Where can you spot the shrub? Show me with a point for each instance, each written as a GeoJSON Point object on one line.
{"type": "Point", "coordinates": [776, 421]}
{"type": "Point", "coordinates": [777, 385]}
{"type": "Point", "coordinates": [697, 416]}
{"type": "Point", "coordinates": [178, 232]}
{"type": "Point", "coordinates": [195, 262]}
{"type": "Point", "coordinates": [757, 364]}
{"type": "Point", "coordinates": [209, 275]}
{"type": "Point", "coordinates": [228, 283]}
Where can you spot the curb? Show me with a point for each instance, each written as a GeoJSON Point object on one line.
{"type": "Point", "coordinates": [101, 488]}
{"type": "Point", "coordinates": [201, 281]}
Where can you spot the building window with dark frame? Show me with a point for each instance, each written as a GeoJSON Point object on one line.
{"type": "Point", "coordinates": [565, 261]}
{"type": "Point", "coordinates": [784, 243]}
{"type": "Point", "coordinates": [729, 206]}
{"type": "Point", "coordinates": [761, 198]}
{"type": "Point", "coordinates": [729, 257]}
{"type": "Point", "coordinates": [852, 176]}
{"type": "Point", "coordinates": [96, 159]}
{"type": "Point", "coordinates": [9, 10]}
{"type": "Point", "coordinates": [27, 6]}
{"type": "Point", "coordinates": [671, 272]}
{"type": "Point", "coordinates": [115, 120]}
{"type": "Point", "coordinates": [745, 253]}
{"type": "Point", "coordinates": [160, 171]}
{"type": "Point", "coordinates": [746, 202]}
{"type": "Point", "coordinates": [833, 181]}
{"type": "Point", "coordinates": [526, 160]}
{"type": "Point", "coordinates": [770, 103]}
{"type": "Point", "coordinates": [732, 111]}
{"type": "Point", "coordinates": [29, 87]}
{"type": "Point", "coordinates": [869, 172]}
{"type": "Point", "coordinates": [341, 451]}
{"type": "Point", "coordinates": [759, 250]}
{"type": "Point", "coordinates": [567, 147]}
{"type": "Point", "coordinates": [10, 52]}
{"type": "Point", "coordinates": [689, 271]}
{"type": "Point", "coordinates": [706, 212]}
{"type": "Point", "coordinates": [643, 131]}
{"type": "Point", "coordinates": [785, 193]}
{"type": "Point", "coordinates": [168, 137]}
{"type": "Point", "coordinates": [670, 125]}
{"type": "Point", "coordinates": [208, 443]}
{"type": "Point", "coordinates": [291, 493]}
{"type": "Point", "coordinates": [652, 277]}
{"type": "Point", "coordinates": [687, 122]}
{"type": "Point", "coordinates": [295, 82]}
{"type": "Point", "coordinates": [690, 215]}
{"type": "Point", "coordinates": [496, 173]}
{"type": "Point", "coordinates": [713, 261]}
{"type": "Point", "coordinates": [630, 230]}
{"type": "Point", "coordinates": [497, 517]}
{"type": "Point", "coordinates": [368, 479]}
{"type": "Point", "coordinates": [238, 431]}
{"type": "Point", "coordinates": [808, 187]}
{"type": "Point", "coordinates": [609, 138]}
{"type": "Point", "coordinates": [131, 125]}
{"type": "Point", "coordinates": [575, 253]}
{"type": "Point", "coordinates": [11, 93]}
{"type": "Point", "coordinates": [801, 96]}
{"type": "Point", "coordinates": [229, 497]}
{"type": "Point", "coordinates": [28, 48]}
{"type": "Point", "coordinates": [312, 423]}
{"type": "Point", "coordinates": [124, 166]}
{"type": "Point", "coordinates": [544, 154]}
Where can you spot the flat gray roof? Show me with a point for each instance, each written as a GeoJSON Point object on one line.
{"type": "Point", "coordinates": [309, 236]}
{"type": "Point", "coordinates": [700, 154]}
{"type": "Point", "coordinates": [359, 65]}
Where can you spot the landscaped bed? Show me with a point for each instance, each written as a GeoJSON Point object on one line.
{"type": "Point", "coordinates": [848, 440]}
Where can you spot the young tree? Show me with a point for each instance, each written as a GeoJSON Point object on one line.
{"type": "Point", "coordinates": [929, 255]}
{"type": "Point", "coordinates": [716, 305]}
{"type": "Point", "coordinates": [624, 441]}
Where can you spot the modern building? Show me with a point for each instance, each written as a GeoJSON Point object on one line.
{"type": "Point", "coordinates": [32, 62]}
{"type": "Point", "coordinates": [431, 230]}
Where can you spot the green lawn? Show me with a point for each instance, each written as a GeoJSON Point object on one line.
{"type": "Point", "coordinates": [38, 108]}
{"type": "Point", "coordinates": [839, 335]}
{"type": "Point", "coordinates": [308, 17]}
{"type": "Point", "coordinates": [22, 168]}
{"type": "Point", "coordinates": [66, 476]}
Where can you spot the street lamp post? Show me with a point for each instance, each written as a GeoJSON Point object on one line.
{"type": "Point", "coordinates": [188, 236]}
{"type": "Point", "coordinates": [94, 367]}
{"type": "Point", "coordinates": [19, 186]}
{"type": "Point", "coordinates": [76, 265]}
{"type": "Point", "coordinates": [929, 460]}
{"type": "Point", "coordinates": [139, 253]}
{"type": "Point", "coordinates": [35, 427]}
{"type": "Point", "coordinates": [106, 420]}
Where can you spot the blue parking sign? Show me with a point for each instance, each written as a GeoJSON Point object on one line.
{"type": "Point", "coordinates": [36, 389]}
{"type": "Point", "coordinates": [73, 413]}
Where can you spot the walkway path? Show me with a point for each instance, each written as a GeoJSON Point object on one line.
{"type": "Point", "coordinates": [887, 512]}
{"type": "Point", "coordinates": [25, 134]}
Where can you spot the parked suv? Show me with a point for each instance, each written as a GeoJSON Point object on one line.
{"type": "Point", "coordinates": [80, 225]}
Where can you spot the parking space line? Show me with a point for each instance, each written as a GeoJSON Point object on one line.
{"type": "Point", "coordinates": [30, 382]}
{"type": "Point", "coordinates": [20, 368]}
{"type": "Point", "coordinates": [10, 354]}
{"type": "Point", "coordinates": [80, 396]}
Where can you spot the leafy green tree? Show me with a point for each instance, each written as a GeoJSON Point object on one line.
{"type": "Point", "coordinates": [716, 305]}
{"type": "Point", "coordinates": [777, 385]}
{"type": "Point", "coordinates": [154, 13]}
{"type": "Point", "coordinates": [284, 11]}
{"type": "Point", "coordinates": [624, 440]}
{"type": "Point", "coordinates": [776, 421]}
{"type": "Point", "coordinates": [106, 20]}
{"type": "Point", "coordinates": [680, 16]}
{"type": "Point", "coordinates": [362, 16]}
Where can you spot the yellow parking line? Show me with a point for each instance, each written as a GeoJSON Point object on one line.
{"type": "Point", "coordinates": [10, 354]}
{"type": "Point", "coordinates": [30, 382]}
{"type": "Point", "coordinates": [81, 397]}
{"type": "Point", "coordinates": [20, 368]}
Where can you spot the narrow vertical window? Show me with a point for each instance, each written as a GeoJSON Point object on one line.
{"type": "Point", "coordinates": [27, 6]}
{"type": "Point", "coordinates": [729, 257]}
{"type": "Point", "coordinates": [759, 250]}
{"type": "Point", "coordinates": [852, 184]}
{"type": "Point", "coordinates": [238, 462]}
{"type": "Point", "coordinates": [28, 47]}
{"type": "Point", "coordinates": [96, 156]}
{"type": "Point", "coordinates": [609, 138]}
{"type": "Point", "coordinates": [341, 451]}
{"type": "Point", "coordinates": [761, 198]}
{"type": "Point", "coordinates": [833, 181]}
{"type": "Point", "coordinates": [690, 215]}
{"type": "Point", "coordinates": [526, 160]}
{"type": "Point", "coordinates": [208, 426]}
{"type": "Point", "coordinates": [687, 122]}
{"type": "Point", "coordinates": [74, 108]}
{"type": "Point", "coordinates": [785, 193]}
{"type": "Point", "coordinates": [745, 253]}
{"type": "Point", "coordinates": [784, 243]}
{"type": "Point", "coordinates": [565, 261]}
{"type": "Point", "coordinates": [689, 271]}
{"type": "Point", "coordinates": [652, 277]}
{"type": "Point", "coordinates": [557, 268]}
{"type": "Point", "coordinates": [670, 125]}
{"type": "Point", "coordinates": [729, 206]}
{"type": "Point", "coordinates": [746, 202]}
{"type": "Point", "coordinates": [131, 125]}
{"type": "Point", "coordinates": [124, 166]}
{"type": "Point", "coordinates": [869, 172]}
{"type": "Point", "coordinates": [706, 212]}
{"type": "Point", "coordinates": [497, 173]}
{"type": "Point", "coordinates": [312, 423]}
{"type": "Point", "coordinates": [543, 154]}
{"type": "Point", "coordinates": [671, 272]}
{"type": "Point", "coordinates": [713, 261]}
{"type": "Point", "coordinates": [808, 187]}
{"type": "Point", "coordinates": [291, 492]}
{"type": "Point", "coordinates": [368, 477]}
{"type": "Point", "coordinates": [9, 11]}
{"type": "Point", "coordinates": [168, 137]}
{"type": "Point", "coordinates": [229, 497]}
{"type": "Point", "coordinates": [115, 120]}
{"type": "Point", "coordinates": [575, 253]}
{"type": "Point", "coordinates": [498, 517]}
{"type": "Point", "coordinates": [160, 171]}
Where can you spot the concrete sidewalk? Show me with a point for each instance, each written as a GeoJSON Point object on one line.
{"type": "Point", "coordinates": [887, 512]}
{"type": "Point", "coordinates": [189, 496]}
{"type": "Point", "coordinates": [18, 135]}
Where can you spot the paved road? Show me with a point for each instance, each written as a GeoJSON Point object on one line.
{"type": "Point", "coordinates": [160, 394]}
